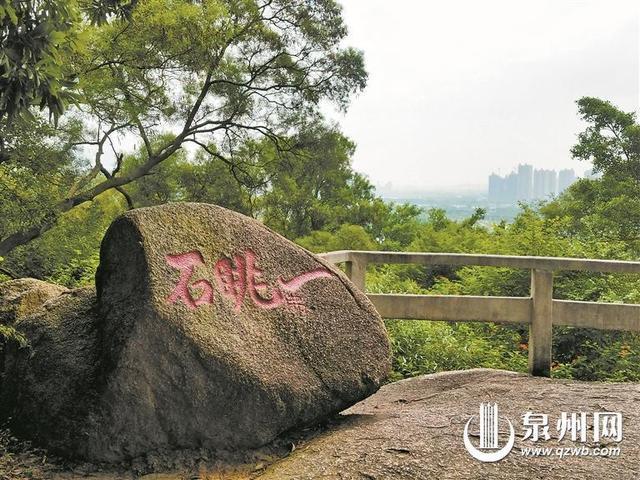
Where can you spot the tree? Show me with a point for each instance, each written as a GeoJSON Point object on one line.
{"type": "Point", "coordinates": [611, 141]}
{"type": "Point", "coordinates": [606, 208]}
{"type": "Point", "coordinates": [37, 166]}
{"type": "Point", "coordinates": [35, 36]}
{"type": "Point", "coordinates": [215, 74]}
{"type": "Point", "coordinates": [198, 179]}
{"type": "Point", "coordinates": [312, 185]}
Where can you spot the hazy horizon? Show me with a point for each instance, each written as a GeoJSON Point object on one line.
{"type": "Point", "coordinates": [480, 186]}
{"type": "Point", "coordinates": [496, 86]}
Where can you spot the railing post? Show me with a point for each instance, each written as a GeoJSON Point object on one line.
{"type": "Point", "coordinates": [356, 271]}
{"type": "Point", "coordinates": [540, 328]}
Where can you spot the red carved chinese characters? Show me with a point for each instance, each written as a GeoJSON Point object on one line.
{"type": "Point", "coordinates": [187, 263]}
{"type": "Point", "coordinates": [235, 278]}
{"type": "Point", "coordinates": [232, 280]}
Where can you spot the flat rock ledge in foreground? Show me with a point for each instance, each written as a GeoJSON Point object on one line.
{"type": "Point", "coordinates": [413, 429]}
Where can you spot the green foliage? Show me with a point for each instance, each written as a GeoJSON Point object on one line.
{"type": "Point", "coordinates": [421, 347]}
{"type": "Point", "coordinates": [99, 11]}
{"type": "Point", "coordinates": [611, 142]}
{"type": "Point", "coordinates": [605, 210]}
{"type": "Point", "coordinates": [38, 38]}
{"type": "Point", "coordinates": [38, 165]}
{"type": "Point", "coordinates": [241, 66]}
{"type": "Point", "coordinates": [313, 187]}
{"type": "Point", "coordinates": [390, 279]}
{"type": "Point", "coordinates": [69, 253]}
{"type": "Point", "coordinates": [9, 334]}
{"type": "Point", "coordinates": [425, 347]}
{"type": "Point", "coordinates": [347, 237]}
{"type": "Point", "coordinates": [591, 355]}
{"type": "Point", "coordinates": [35, 36]}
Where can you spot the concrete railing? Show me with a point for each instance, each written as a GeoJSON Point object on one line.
{"type": "Point", "coordinates": [540, 310]}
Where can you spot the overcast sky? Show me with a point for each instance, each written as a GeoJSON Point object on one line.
{"type": "Point", "coordinates": [460, 89]}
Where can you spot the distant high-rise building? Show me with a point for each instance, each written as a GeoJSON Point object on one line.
{"type": "Point", "coordinates": [565, 178]}
{"type": "Point", "coordinates": [496, 186]}
{"type": "Point", "coordinates": [511, 188]}
{"type": "Point", "coordinates": [545, 183]}
{"type": "Point", "coordinates": [538, 183]}
{"type": "Point", "coordinates": [550, 183]}
{"type": "Point", "coordinates": [525, 182]}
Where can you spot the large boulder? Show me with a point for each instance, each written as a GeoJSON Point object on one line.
{"type": "Point", "coordinates": [210, 331]}
{"type": "Point", "coordinates": [220, 333]}
{"type": "Point", "coordinates": [25, 296]}
{"type": "Point", "coordinates": [46, 386]}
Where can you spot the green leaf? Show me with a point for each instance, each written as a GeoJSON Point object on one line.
{"type": "Point", "coordinates": [12, 14]}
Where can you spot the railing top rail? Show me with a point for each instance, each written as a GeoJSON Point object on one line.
{"type": "Point", "coordinates": [512, 261]}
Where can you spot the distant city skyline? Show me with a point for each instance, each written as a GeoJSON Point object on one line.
{"type": "Point", "coordinates": [556, 185]}
{"type": "Point", "coordinates": [528, 183]}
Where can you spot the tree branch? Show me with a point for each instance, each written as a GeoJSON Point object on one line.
{"type": "Point", "coordinates": [83, 181]}
{"type": "Point", "coordinates": [122, 191]}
